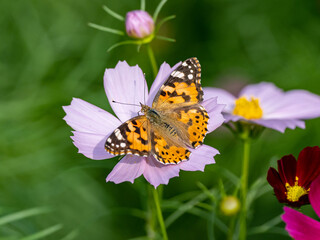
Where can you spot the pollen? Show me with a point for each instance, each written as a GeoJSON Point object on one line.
{"type": "Point", "coordinates": [295, 192]}
{"type": "Point", "coordinates": [249, 109]}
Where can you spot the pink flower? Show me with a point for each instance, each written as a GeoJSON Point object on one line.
{"type": "Point", "coordinates": [139, 24]}
{"type": "Point", "coordinates": [93, 125]}
{"type": "Point", "coordinates": [300, 226]}
{"type": "Point", "coordinates": [265, 104]}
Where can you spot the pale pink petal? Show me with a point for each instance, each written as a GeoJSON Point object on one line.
{"type": "Point", "coordinates": [162, 76]}
{"type": "Point", "coordinates": [223, 97]}
{"type": "Point", "coordinates": [125, 84]}
{"type": "Point", "coordinates": [127, 169]}
{"type": "Point", "coordinates": [300, 226]}
{"type": "Point", "coordinates": [296, 104]}
{"type": "Point", "coordinates": [214, 110]}
{"type": "Point", "coordinates": [230, 117]}
{"type": "Point", "coordinates": [280, 124]}
{"type": "Point", "coordinates": [264, 91]}
{"type": "Point", "coordinates": [157, 173]}
{"type": "Point", "coordinates": [85, 117]}
{"type": "Point", "coordinates": [199, 158]}
{"type": "Point", "coordinates": [314, 195]}
{"type": "Point", "coordinates": [91, 144]}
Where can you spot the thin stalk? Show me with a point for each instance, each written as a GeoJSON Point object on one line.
{"type": "Point", "coordinates": [159, 214]}
{"type": "Point", "coordinates": [152, 61]}
{"type": "Point", "coordinates": [150, 218]}
{"type": "Point", "coordinates": [244, 188]}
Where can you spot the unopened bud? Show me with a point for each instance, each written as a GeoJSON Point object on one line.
{"type": "Point", "coordinates": [230, 205]}
{"type": "Point", "coordinates": [139, 24]}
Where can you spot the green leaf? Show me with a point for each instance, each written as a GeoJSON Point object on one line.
{"type": "Point", "coordinates": [165, 39]}
{"type": "Point", "coordinates": [44, 233]}
{"type": "Point", "coordinates": [166, 19]}
{"type": "Point", "coordinates": [156, 12]}
{"type": "Point", "coordinates": [106, 29]}
{"type": "Point", "coordinates": [112, 13]}
{"type": "Point", "coordinates": [143, 5]}
{"type": "Point", "coordinates": [23, 214]}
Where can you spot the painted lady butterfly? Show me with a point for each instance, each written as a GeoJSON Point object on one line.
{"type": "Point", "coordinates": [175, 123]}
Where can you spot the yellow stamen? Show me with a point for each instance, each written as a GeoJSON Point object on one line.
{"type": "Point", "coordinates": [249, 109]}
{"type": "Point", "coordinates": [295, 192]}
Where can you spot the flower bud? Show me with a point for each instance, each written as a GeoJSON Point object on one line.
{"type": "Point", "coordinates": [229, 205]}
{"type": "Point", "coordinates": [139, 24]}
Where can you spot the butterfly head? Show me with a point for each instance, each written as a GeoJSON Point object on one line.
{"type": "Point", "coordinates": [144, 108]}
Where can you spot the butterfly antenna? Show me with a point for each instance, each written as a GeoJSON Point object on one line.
{"type": "Point", "coordinates": [126, 103]}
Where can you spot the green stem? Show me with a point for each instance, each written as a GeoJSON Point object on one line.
{"type": "Point", "coordinates": [150, 219]}
{"type": "Point", "coordinates": [159, 214]}
{"type": "Point", "coordinates": [152, 61]}
{"type": "Point", "coordinates": [244, 188]}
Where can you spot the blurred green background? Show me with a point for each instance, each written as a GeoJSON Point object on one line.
{"type": "Point", "coordinates": [48, 55]}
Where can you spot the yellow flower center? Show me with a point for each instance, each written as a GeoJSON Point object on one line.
{"type": "Point", "coordinates": [249, 109]}
{"type": "Point", "coordinates": [295, 192]}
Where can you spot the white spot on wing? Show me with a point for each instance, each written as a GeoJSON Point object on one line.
{"type": "Point", "coordinates": [122, 145]}
{"type": "Point", "coordinates": [190, 76]}
{"type": "Point", "coordinates": [177, 74]}
{"type": "Point", "coordinates": [184, 64]}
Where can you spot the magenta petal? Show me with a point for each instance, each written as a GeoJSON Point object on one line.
{"type": "Point", "coordinates": [128, 169]}
{"type": "Point", "coordinates": [314, 196]}
{"type": "Point", "coordinates": [157, 173]}
{"type": "Point", "coordinates": [214, 110]}
{"type": "Point", "coordinates": [280, 124]}
{"type": "Point", "coordinates": [91, 145]}
{"type": "Point", "coordinates": [300, 226]}
{"type": "Point", "coordinates": [199, 158]}
{"type": "Point", "coordinates": [85, 117]}
{"type": "Point", "coordinates": [125, 84]}
{"type": "Point", "coordinates": [297, 104]}
{"type": "Point", "coordinates": [223, 97]}
{"type": "Point", "coordinates": [162, 76]}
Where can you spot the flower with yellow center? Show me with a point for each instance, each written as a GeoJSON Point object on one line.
{"type": "Point", "coordinates": [291, 183]}
{"type": "Point", "coordinates": [294, 193]}
{"type": "Point", "coordinates": [249, 109]}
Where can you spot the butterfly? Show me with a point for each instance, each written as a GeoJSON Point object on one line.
{"type": "Point", "coordinates": [175, 124]}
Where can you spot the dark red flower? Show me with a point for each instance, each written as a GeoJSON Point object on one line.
{"type": "Point", "coordinates": [291, 184]}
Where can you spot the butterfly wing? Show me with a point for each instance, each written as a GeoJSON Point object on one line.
{"type": "Point", "coordinates": [194, 120]}
{"type": "Point", "coordinates": [182, 87]}
{"type": "Point", "coordinates": [165, 151]}
{"type": "Point", "coordinates": [131, 137]}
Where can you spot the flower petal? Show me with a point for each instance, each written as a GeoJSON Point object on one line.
{"type": "Point", "coordinates": [287, 167]}
{"type": "Point", "coordinates": [199, 158]}
{"type": "Point", "coordinates": [128, 169]}
{"type": "Point", "coordinates": [308, 165]}
{"type": "Point", "coordinates": [300, 226]}
{"type": "Point", "coordinates": [85, 117]}
{"type": "Point", "coordinates": [296, 104]}
{"type": "Point", "coordinates": [157, 173]}
{"type": "Point", "coordinates": [125, 84]}
{"type": "Point", "coordinates": [214, 110]}
{"type": "Point", "coordinates": [91, 145]}
{"type": "Point", "coordinates": [162, 76]}
{"type": "Point", "coordinates": [223, 97]}
{"type": "Point", "coordinates": [275, 181]}
{"type": "Point", "coordinates": [314, 195]}
{"type": "Point", "coordinates": [280, 124]}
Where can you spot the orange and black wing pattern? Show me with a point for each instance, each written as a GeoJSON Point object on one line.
{"type": "Point", "coordinates": [182, 87]}
{"type": "Point", "coordinates": [132, 137]}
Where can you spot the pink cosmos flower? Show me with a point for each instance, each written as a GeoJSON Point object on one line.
{"type": "Point", "coordinates": [265, 104]}
{"type": "Point", "coordinates": [139, 24]}
{"type": "Point", "coordinates": [300, 226]}
{"type": "Point", "coordinates": [93, 125]}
